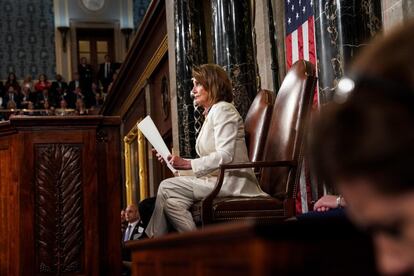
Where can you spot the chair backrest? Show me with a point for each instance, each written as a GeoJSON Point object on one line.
{"type": "Point", "coordinates": [286, 131]}
{"type": "Point", "coordinates": [257, 122]}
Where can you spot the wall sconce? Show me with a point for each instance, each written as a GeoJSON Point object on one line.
{"type": "Point", "coordinates": [127, 33]}
{"type": "Point", "coordinates": [63, 31]}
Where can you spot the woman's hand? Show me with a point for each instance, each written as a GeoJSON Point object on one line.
{"type": "Point", "coordinates": [326, 203]}
{"type": "Point", "coordinates": [176, 161]}
{"type": "Point", "coordinates": [179, 163]}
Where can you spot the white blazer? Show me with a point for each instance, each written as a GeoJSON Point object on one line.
{"type": "Point", "coordinates": [221, 141]}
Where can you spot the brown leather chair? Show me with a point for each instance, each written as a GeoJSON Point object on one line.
{"type": "Point", "coordinates": [282, 157]}
{"type": "Point", "coordinates": [257, 122]}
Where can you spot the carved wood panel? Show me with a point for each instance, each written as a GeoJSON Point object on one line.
{"type": "Point", "coordinates": [58, 208]}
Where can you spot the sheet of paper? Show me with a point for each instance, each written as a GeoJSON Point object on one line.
{"type": "Point", "coordinates": [150, 131]}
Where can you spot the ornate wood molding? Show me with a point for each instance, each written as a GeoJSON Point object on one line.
{"type": "Point", "coordinates": [58, 209]}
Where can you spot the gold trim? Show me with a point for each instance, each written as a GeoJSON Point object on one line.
{"type": "Point", "coordinates": [149, 69]}
{"type": "Point", "coordinates": [142, 172]}
{"type": "Point", "coordinates": [135, 135]}
{"type": "Point", "coordinates": [128, 181]}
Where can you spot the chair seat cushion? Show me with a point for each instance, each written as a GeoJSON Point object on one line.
{"type": "Point", "coordinates": [234, 208]}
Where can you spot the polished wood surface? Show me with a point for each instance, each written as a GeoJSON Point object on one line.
{"type": "Point", "coordinates": [294, 248]}
{"type": "Point", "coordinates": [60, 196]}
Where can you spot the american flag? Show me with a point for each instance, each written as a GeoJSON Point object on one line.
{"type": "Point", "coordinates": [300, 31]}
{"type": "Point", "coordinates": [300, 44]}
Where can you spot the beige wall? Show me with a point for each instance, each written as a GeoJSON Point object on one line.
{"type": "Point", "coordinates": [395, 12]}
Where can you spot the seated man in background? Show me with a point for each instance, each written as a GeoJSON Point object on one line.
{"type": "Point", "coordinates": [364, 144]}
{"type": "Point", "coordinates": [135, 228]}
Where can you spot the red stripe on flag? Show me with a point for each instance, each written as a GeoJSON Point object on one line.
{"type": "Point", "coordinates": [311, 35]}
{"type": "Point", "coordinates": [289, 51]}
{"type": "Point", "coordinates": [300, 42]}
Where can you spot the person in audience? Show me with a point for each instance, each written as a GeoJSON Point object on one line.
{"type": "Point", "coordinates": [42, 84]}
{"type": "Point", "coordinates": [25, 96]}
{"type": "Point", "coordinates": [73, 84]}
{"type": "Point", "coordinates": [58, 89]}
{"type": "Point", "coordinates": [63, 104]}
{"type": "Point", "coordinates": [29, 110]}
{"type": "Point", "coordinates": [12, 81]}
{"type": "Point", "coordinates": [43, 100]}
{"type": "Point", "coordinates": [105, 73]}
{"type": "Point", "coordinates": [28, 83]}
{"type": "Point", "coordinates": [364, 144]}
{"type": "Point", "coordinates": [80, 107]}
{"type": "Point", "coordinates": [2, 90]}
{"type": "Point", "coordinates": [12, 99]}
{"type": "Point", "coordinates": [134, 229]}
{"type": "Point", "coordinates": [74, 90]}
{"type": "Point", "coordinates": [85, 75]}
{"type": "Point", "coordinates": [89, 95]}
{"type": "Point", "coordinates": [221, 141]}
{"type": "Point", "coordinates": [124, 222]}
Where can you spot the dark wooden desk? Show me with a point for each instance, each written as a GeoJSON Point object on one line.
{"type": "Point", "coordinates": [297, 248]}
{"type": "Point", "coordinates": [60, 195]}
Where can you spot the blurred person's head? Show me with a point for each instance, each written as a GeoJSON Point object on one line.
{"type": "Point", "coordinates": [80, 106]}
{"type": "Point", "coordinates": [364, 144]}
{"type": "Point", "coordinates": [211, 85]}
{"type": "Point", "coordinates": [11, 104]}
{"type": "Point", "coordinates": [26, 90]}
{"type": "Point", "coordinates": [11, 89]}
{"type": "Point", "coordinates": [42, 77]}
{"type": "Point", "coordinates": [107, 58]}
{"type": "Point", "coordinates": [131, 213]}
{"type": "Point", "coordinates": [123, 218]}
{"type": "Point", "coordinates": [11, 76]}
{"type": "Point", "coordinates": [76, 76]}
{"type": "Point", "coordinates": [59, 77]}
{"type": "Point", "coordinates": [46, 104]}
{"type": "Point", "coordinates": [63, 104]}
{"type": "Point", "coordinates": [28, 78]}
{"type": "Point", "coordinates": [30, 105]}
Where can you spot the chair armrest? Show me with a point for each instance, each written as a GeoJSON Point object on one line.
{"type": "Point", "coordinates": [207, 202]}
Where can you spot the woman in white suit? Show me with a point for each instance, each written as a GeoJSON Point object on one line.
{"type": "Point", "coordinates": [220, 141]}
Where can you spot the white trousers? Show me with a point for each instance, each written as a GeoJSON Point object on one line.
{"type": "Point", "coordinates": [174, 199]}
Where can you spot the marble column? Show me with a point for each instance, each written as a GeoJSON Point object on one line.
{"type": "Point", "coordinates": [342, 27]}
{"type": "Point", "coordinates": [233, 48]}
{"type": "Point", "coordinates": [189, 51]}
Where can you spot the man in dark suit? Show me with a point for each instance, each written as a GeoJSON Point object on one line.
{"type": "Point", "coordinates": [134, 231]}
{"type": "Point", "coordinates": [85, 72]}
{"type": "Point", "coordinates": [74, 91]}
{"type": "Point", "coordinates": [106, 72]}
{"type": "Point", "coordinates": [135, 228]}
{"type": "Point", "coordinates": [57, 91]}
{"type": "Point", "coordinates": [86, 76]}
